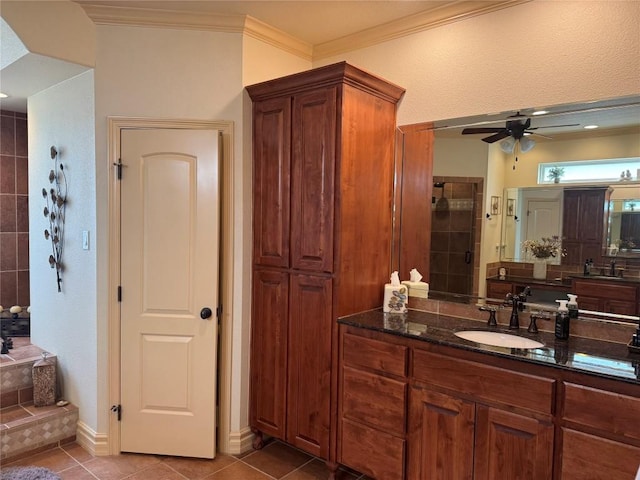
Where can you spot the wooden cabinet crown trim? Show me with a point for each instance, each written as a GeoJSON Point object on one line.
{"type": "Point", "coordinates": [337, 73]}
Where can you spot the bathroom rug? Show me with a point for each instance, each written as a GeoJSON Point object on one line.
{"type": "Point", "coordinates": [28, 473]}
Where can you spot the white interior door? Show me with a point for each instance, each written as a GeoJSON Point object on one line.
{"type": "Point", "coordinates": [169, 274]}
{"type": "Point", "coordinates": [543, 220]}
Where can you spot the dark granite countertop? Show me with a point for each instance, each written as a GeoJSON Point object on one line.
{"type": "Point", "coordinates": [532, 281]}
{"type": "Point", "coordinates": [565, 281]}
{"type": "Point", "coordinates": [607, 359]}
{"type": "Point", "coordinates": [607, 278]}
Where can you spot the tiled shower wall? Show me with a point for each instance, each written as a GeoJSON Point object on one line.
{"type": "Point", "coordinates": [14, 210]}
{"type": "Point", "coordinates": [455, 229]}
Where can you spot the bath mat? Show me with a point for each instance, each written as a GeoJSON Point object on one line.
{"type": "Point", "coordinates": [28, 473]}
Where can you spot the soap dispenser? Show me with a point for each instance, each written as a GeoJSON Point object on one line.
{"type": "Point", "coordinates": [562, 320]}
{"type": "Point", "coordinates": [572, 305]}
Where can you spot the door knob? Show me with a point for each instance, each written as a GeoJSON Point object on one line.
{"type": "Point", "coordinates": [205, 313]}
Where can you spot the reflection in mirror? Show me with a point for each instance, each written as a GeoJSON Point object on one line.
{"type": "Point", "coordinates": [450, 153]}
{"type": "Point", "coordinates": [623, 229]}
{"type": "Point", "coordinates": [532, 213]}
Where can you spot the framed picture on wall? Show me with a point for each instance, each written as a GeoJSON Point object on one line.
{"type": "Point", "coordinates": [495, 205]}
{"type": "Point", "coordinates": [511, 207]}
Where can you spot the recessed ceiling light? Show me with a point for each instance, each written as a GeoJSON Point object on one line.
{"type": "Point", "coordinates": [3, 95]}
{"type": "Point", "coordinates": [540, 112]}
{"type": "Point", "coordinates": [590, 127]}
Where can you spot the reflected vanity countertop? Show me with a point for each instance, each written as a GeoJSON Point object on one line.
{"type": "Point", "coordinates": [596, 357]}
{"type": "Point", "coordinates": [566, 282]}
{"type": "Point", "coordinates": [607, 278]}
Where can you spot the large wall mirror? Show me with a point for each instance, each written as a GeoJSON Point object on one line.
{"type": "Point", "coordinates": [503, 169]}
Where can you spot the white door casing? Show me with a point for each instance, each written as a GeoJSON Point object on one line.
{"type": "Point", "coordinates": [170, 218]}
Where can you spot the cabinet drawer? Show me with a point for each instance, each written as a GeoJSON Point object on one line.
{"type": "Point", "coordinates": [373, 399]}
{"type": "Point", "coordinates": [606, 290]}
{"type": "Point", "coordinates": [372, 452]}
{"type": "Point", "coordinates": [381, 356]}
{"type": "Point", "coordinates": [588, 456]}
{"type": "Point", "coordinates": [608, 411]}
{"type": "Point", "coordinates": [498, 289]}
{"type": "Point", "coordinates": [484, 382]}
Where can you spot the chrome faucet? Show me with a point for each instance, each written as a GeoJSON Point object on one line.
{"type": "Point", "coordinates": [517, 302]}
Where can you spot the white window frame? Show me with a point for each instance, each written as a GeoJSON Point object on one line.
{"type": "Point", "coordinates": [618, 165]}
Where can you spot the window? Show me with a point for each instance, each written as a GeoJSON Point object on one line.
{"type": "Point", "coordinates": [591, 171]}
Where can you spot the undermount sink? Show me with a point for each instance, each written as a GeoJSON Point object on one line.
{"type": "Point", "coordinates": [498, 339]}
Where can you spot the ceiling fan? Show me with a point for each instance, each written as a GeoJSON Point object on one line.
{"type": "Point", "coordinates": [517, 127]}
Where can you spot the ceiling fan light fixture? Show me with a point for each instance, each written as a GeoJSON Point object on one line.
{"type": "Point", "coordinates": [507, 145]}
{"type": "Point", "coordinates": [527, 144]}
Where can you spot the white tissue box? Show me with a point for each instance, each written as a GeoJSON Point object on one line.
{"type": "Point", "coordinates": [395, 298]}
{"type": "Point", "coordinates": [417, 289]}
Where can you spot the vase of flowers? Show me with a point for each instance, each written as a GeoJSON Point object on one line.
{"type": "Point", "coordinates": [542, 251]}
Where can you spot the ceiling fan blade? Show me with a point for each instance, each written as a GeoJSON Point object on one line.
{"type": "Point", "coordinates": [556, 126]}
{"type": "Point", "coordinates": [496, 137]}
{"type": "Point", "coordinates": [467, 131]}
{"type": "Point", "coordinates": [540, 135]}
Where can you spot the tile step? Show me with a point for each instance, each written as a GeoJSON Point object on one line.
{"type": "Point", "coordinates": [25, 429]}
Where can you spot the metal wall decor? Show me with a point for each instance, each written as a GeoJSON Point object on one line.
{"type": "Point", "coordinates": [56, 198]}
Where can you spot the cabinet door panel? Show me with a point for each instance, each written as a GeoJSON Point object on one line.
{"type": "Point", "coordinates": [590, 303]}
{"type": "Point", "coordinates": [586, 456]}
{"type": "Point", "coordinates": [309, 378]}
{"type": "Point", "coordinates": [272, 163]}
{"type": "Point", "coordinates": [607, 411]}
{"type": "Point", "coordinates": [512, 446]}
{"type": "Point", "coordinates": [269, 352]}
{"type": "Point", "coordinates": [373, 399]}
{"type": "Point", "coordinates": [591, 216]}
{"type": "Point", "coordinates": [620, 307]}
{"type": "Point", "coordinates": [372, 452]}
{"type": "Point", "coordinates": [498, 289]}
{"type": "Point", "coordinates": [441, 432]}
{"type": "Point", "coordinates": [313, 180]}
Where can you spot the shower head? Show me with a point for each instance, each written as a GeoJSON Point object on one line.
{"type": "Point", "coordinates": [438, 185]}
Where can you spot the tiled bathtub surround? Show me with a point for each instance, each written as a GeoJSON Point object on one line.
{"type": "Point", "coordinates": [14, 210]}
{"type": "Point", "coordinates": [25, 429]}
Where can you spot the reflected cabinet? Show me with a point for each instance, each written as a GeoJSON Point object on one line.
{"type": "Point", "coordinates": [323, 168]}
{"type": "Point", "coordinates": [583, 223]}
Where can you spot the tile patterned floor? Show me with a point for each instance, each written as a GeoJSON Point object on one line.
{"type": "Point", "coordinates": [275, 461]}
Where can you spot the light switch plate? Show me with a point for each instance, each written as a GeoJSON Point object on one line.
{"type": "Point", "coordinates": [85, 239]}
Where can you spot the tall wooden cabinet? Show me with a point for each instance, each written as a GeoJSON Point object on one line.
{"type": "Point", "coordinates": [323, 163]}
{"type": "Point", "coordinates": [583, 223]}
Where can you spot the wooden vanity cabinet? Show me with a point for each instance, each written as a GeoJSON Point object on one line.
{"type": "Point", "coordinates": [498, 289]}
{"type": "Point", "coordinates": [469, 420]}
{"type": "Point", "coordinates": [600, 432]}
{"type": "Point", "coordinates": [372, 407]}
{"type": "Point", "coordinates": [323, 164]}
{"type": "Point", "coordinates": [612, 296]}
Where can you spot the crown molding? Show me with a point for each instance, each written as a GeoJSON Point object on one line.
{"type": "Point", "coordinates": [245, 24]}
{"type": "Point", "coordinates": [268, 34]}
{"type": "Point", "coordinates": [428, 19]}
{"type": "Point", "coordinates": [145, 17]}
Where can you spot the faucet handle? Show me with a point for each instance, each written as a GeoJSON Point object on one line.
{"type": "Point", "coordinates": [492, 315]}
{"type": "Point", "coordinates": [542, 315]}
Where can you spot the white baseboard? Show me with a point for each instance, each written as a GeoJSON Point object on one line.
{"type": "Point", "coordinates": [95, 443]}
{"type": "Point", "coordinates": [240, 441]}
